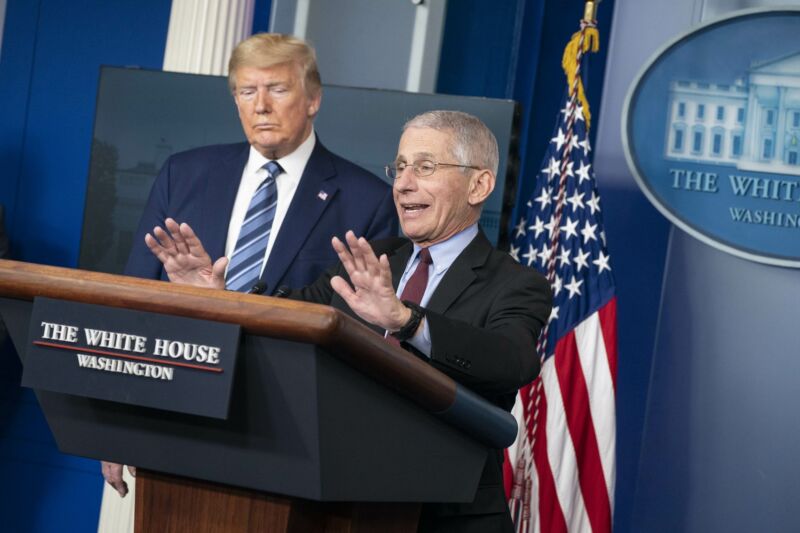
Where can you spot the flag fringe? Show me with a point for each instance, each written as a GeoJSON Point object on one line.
{"type": "Point", "coordinates": [585, 40]}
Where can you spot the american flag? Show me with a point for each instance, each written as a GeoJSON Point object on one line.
{"type": "Point", "coordinates": [563, 462]}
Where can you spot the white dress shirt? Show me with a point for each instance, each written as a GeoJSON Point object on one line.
{"type": "Point", "coordinates": [254, 173]}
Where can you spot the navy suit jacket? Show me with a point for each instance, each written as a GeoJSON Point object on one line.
{"type": "Point", "coordinates": [199, 187]}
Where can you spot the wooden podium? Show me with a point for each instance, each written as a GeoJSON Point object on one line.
{"type": "Point", "coordinates": [330, 427]}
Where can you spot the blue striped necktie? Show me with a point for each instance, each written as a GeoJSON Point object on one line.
{"type": "Point", "coordinates": [244, 269]}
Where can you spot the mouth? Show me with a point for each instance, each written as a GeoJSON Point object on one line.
{"type": "Point", "coordinates": [411, 209]}
{"type": "Point", "coordinates": [265, 126]}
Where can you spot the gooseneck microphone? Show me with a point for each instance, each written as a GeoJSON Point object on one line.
{"type": "Point", "coordinates": [282, 292]}
{"type": "Point", "coordinates": [259, 288]}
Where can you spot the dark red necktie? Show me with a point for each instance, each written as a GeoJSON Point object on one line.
{"type": "Point", "coordinates": [415, 287]}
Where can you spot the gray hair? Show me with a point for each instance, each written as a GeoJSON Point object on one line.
{"type": "Point", "coordinates": [472, 142]}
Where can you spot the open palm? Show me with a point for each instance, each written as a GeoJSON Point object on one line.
{"type": "Point", "coordinates": [184, 258]}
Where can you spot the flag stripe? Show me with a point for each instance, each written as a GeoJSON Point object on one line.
{"type": "Point", "coordinates": [581, 429]}
{"type": "Point", "coordinates": [550, 512]}
{"type": "Point", "coordinates": [608, 321]}
{"type": "Point", "coordinates": [561, 453]}
{"type": "Point", "coordinates": [594, 362]}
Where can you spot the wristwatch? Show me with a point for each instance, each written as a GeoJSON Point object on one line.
{"type": "Point", "coordinates": [410, 327]}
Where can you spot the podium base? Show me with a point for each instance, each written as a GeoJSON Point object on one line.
{"type": "Point", "coordinates": [180, 505]}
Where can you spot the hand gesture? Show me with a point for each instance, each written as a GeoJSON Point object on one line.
{"type": "Point", "coordinates": [183, 256]}
{"type": "Point", "coordinates": [371, 295]}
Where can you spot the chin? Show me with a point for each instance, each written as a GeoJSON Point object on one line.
{"type": "Point", "coordinates": [414, 236]}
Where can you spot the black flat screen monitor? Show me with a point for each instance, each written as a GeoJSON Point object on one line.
{"type": "Point", "coordinates": [143, 116]}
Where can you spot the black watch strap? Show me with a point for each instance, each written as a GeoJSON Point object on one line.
{"type": "Point", "coordinates": [410, 327]}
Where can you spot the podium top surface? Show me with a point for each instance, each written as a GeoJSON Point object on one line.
{"type": "Point", "coordinates": [278, 318]}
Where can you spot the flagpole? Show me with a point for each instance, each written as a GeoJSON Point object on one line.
{"type": "Point", "coordinates": [571, 63]}
{"type": "Point", "coordinates": [590, 10]}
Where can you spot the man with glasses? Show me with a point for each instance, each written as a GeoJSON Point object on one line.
{"type": "Point", "coordinates": [443, 293]}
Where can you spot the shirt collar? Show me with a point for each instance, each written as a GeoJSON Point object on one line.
{"type": "Point", "coordinates": [445, 253]}
{"type": "Point", "coordinates": [293, 164]}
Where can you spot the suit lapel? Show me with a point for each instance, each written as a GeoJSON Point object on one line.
{"type": "Point", "coordinates": [398, 261]}
{"type": "Point", "coordinates": [218, 199]}
{"type": "Point", "coordinates": [314, 194]}
{"type": "Point", "coordinates": [460, 274]}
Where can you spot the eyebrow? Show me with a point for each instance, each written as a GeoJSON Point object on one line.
{"type": "Point", "coordinates": [418, 155]}
{"type": "Point", "coordinates": [269, 84]}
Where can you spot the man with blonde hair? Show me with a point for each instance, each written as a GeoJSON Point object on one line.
{"type": "Point", "coordinates": [265, 50]}
{"type": "Point", "coordinates": [270, 206]}
{"type": "Point", "coordinates": [300, 193]}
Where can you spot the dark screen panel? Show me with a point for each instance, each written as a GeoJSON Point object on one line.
{"type": "Point", "coordinates": [143, 116]}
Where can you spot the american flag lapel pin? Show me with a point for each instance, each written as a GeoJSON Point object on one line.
{"type": "Point", "coordinates": [322, 195]}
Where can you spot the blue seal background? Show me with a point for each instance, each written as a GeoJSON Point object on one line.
{"type": "Point", "coordinates": [720, 52]}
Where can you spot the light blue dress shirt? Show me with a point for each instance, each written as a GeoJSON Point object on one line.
{"type": "Point", "coordinates": [443, 254]}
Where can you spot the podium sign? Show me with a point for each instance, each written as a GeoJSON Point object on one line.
{"type": "Point", "coordinates": [146, 359]}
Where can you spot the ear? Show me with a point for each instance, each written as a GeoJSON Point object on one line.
{"type": "Point", "coordinates": [481, 185]}
{"type": "Point", "coordinates": [314, 103]}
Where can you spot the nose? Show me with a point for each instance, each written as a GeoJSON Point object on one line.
{"type": "Point", "coordinates": [263, 101]}
{"type": "Point", "coordinates": [406, 180]}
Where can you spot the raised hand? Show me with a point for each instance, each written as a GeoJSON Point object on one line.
{"type": "Point", "coordinates": [371, 295]}
{"type": "Point", "coordinates": [183, 256]}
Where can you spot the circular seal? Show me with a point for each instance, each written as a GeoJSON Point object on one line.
{"type": "Point", "coordinates": [711, 131]}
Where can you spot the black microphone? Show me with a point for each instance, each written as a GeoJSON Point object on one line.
{"type": "Point", "coordinates": [282, 292]}
{"type": "Point", "coordinates": [259, 288]}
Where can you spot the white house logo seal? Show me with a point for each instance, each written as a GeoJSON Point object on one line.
{"type": "Point", "coordinates": [712, 134]}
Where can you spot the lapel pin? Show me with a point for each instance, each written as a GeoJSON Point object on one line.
{"type": "Point", "coordinates": [322, 195]}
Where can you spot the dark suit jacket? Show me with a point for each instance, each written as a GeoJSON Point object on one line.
{"type": "Point", "coordinates": [484, 318]}
{"type": "Point", "coordinates": [199, 187]}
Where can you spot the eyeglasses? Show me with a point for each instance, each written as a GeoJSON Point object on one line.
{"type": "Point", "coordinates": [422, 168]}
